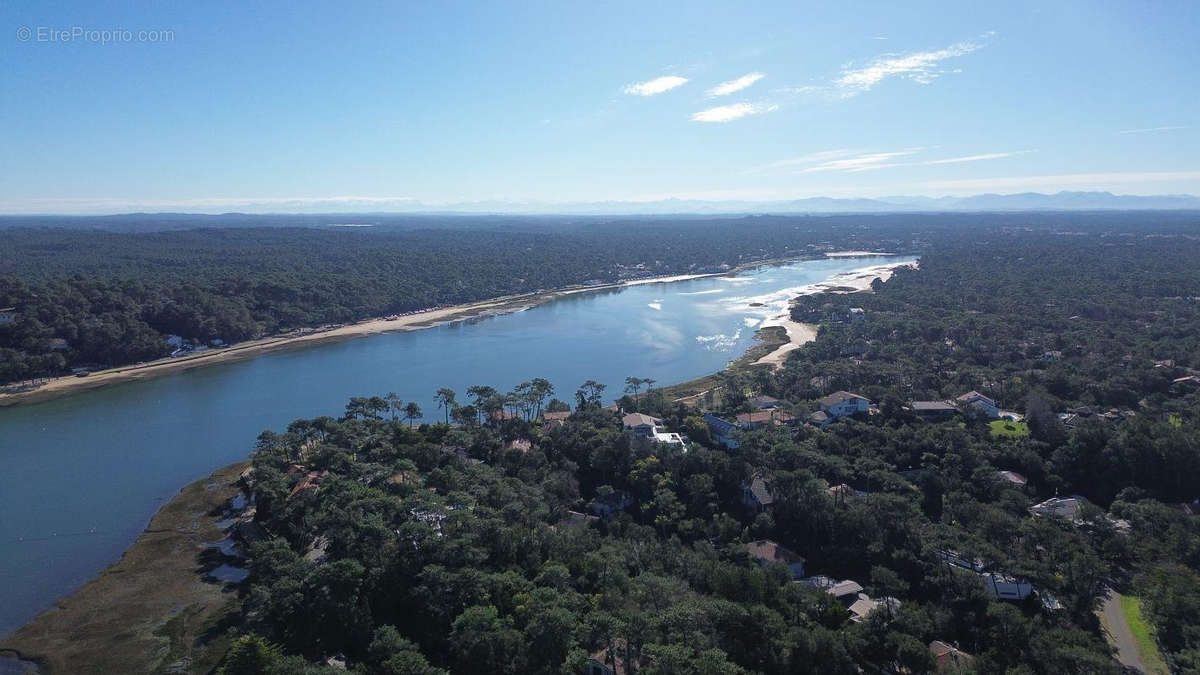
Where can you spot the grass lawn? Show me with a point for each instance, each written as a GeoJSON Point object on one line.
{"type": "Point", "coordinates": [1143, 634]}
{"type": "Point", "coordinates": [1175, 420]}
{"type": "Point", "coordinates": [1007, 428]}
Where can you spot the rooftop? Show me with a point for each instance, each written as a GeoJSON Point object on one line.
{"type": "Point", "coordinates": [765, 550]}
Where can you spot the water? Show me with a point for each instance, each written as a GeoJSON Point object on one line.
{"type": "Point", "coordinates": [83, 474]}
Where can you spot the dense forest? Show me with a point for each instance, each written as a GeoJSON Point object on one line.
{"type": "Point", "coordinates": [466, 548]}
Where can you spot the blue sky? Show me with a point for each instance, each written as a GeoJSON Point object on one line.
{"type": "Point", "coordinates": [295, 106]}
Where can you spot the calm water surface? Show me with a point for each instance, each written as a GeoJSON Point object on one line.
{"type": "Point", "coordinates": [83, 474]}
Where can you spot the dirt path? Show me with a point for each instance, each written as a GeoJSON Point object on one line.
{"type": "Point", "coordinates": [1112, 617]}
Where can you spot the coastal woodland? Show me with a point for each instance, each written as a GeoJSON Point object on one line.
{"type": "Point", "coordinates": [102, 292]}
{"type": "Point", "coordinates": [497, 542]}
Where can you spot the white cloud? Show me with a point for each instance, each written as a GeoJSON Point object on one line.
{"type": "Point", "coordinates": [733, 111]}
{"type": "Point", "coordinates": [920, 67]}
{"type": "Point", "coordinates": [656, 86]}
{"type": "Point", "coordinates": [1143, 131]}
{"type": "Point", "coordinates": [735, 85]}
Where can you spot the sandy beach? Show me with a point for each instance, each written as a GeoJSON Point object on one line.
{"type": "Point", "coordinates": [854, 281]}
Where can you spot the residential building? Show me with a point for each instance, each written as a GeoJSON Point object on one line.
{"type": "Point", "coordinates": [950, 659]}
{"type": "Point", "coordinates": [722, 431]}
{"type": "Point", "coordinates": [767, 552]}
{"type": "Point", "coordinates": [639, 424]}
{"type": "Point", "coordinates": [932, 411]}
{"type": "Point", "coordinates": [862, 607]}
{"type": "Point", "coordinates": [1011, 477]}
{"type": "Point", "coordinates": [844, 403]}
{"type": "Point", "coordinates": [763, 418]}
{"type": "Point", "coordinates": [764, 402]}
{"type": "Point", "coordinates": [8, 315]}
{"type": "Point", "coordinates": [1005, 587]}
{"type": "Point", "coordinates": [756, 493]}
{"type": "Point", "coordinates": [618, 659]}
{"type": "Point", "coordinates": [555, 419]}
{"type": "Point", "coordinates": [820, 419]}
{"type": "Point", "coordinates": [1067, 508]}
{"type": "Point", "coordinates": [974, 400]}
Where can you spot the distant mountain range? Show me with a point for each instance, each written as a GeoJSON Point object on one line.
{"type": "Point", "coordinates": [348, 209]}
{"type": "Point", "coordinates": [1026, 201]}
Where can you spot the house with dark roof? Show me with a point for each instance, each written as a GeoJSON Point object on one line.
{"type": "Point", "coordinates": [756, 493]}
{"type": "Point", "coordinates": [721, 431]}
{"type": "Point", "coordinates": [768, 552]}
{"type": "Point", "coordinates": [933, 411]}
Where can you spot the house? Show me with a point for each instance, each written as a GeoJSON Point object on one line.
{"type": "Point", "coordinates": [764, 402]}
{"type": "Point", "coordinates": [1185, 382]}
{"type": "Point", "coordinates": [977, 401]}
{"type": "Point", "coordinates": [950, 659]}
{"type": "Point", "coordinates": [721, 431]}
{"type": "Point", "coordinates": [555, 419]}
{"type": "Point", "coordinates": [862, 607]}
{"type": "Point", "coordinates": [1011, 477]}
{"type": "Point", "coordinates": [857, 314]}
{"type": "Point", "coordinates": [8, 315]}
{"type": "Point", "coordinates": [1005, 587]}
{"type": "Point", "coordinates": [519, 444]}
{"type": "Point", "coordinates": [638, 424]}
{"type": "Point", "coordinates": [844, 403]}
{"type": "Point", "coordinates": [932, 411]}
{"type": "Point", "coordinates": [609, 505]}
{"type": "Point", "coordinates": [617, 659]}
{"type": "Point", "coordinates": [1053, 355]}
{"type": "Point", "coordinates": [767, 552]}
{"type": "Point", "coordinates": [1060, 507]}
{"type": "Point", "coordinates": [820, 419]}
{"type": "Point", "coordinates": [756, 494]}
{"type": "Point", "coordinates": [999, 585]}
{"type": "Point", "coordinates": [841, 493]}
{"type": "Point", "coordinates": [763, 418]}
{"type": "Point", "coordinates": [59, 345]}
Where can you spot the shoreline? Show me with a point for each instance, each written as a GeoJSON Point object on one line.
{"type": "Point", "coordinates": [156, 607]}
{"type": "Point", "coordinates": [799, 334]}
{"type": "Point", "coordinates": [69, 384]}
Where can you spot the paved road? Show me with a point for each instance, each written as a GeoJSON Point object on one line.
{"type": "Point", "coordinates": [1119, 635]}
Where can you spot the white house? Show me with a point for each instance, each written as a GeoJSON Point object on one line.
{"type": "Point", "coordinates": [977, 401]}
{"type": "Point", "coordinates": [1067, 508]}
{"type": "Point", "coordinates": [650, 428]}
{"type": "Point", "coordinates": [843, 404]}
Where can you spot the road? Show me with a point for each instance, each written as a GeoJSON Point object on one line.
{"type": "Point", "coordinates": [1119, 635]}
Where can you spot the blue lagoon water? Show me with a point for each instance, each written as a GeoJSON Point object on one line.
{"type": "Point", "coordinates": [84, 473]}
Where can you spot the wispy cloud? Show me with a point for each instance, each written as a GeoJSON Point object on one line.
{"type": "Point", "coordinates": [656, 86]}
{"type": "Point", "coordinates": [1148, 130]}
{"type": "Point", "coordinates": [733, 111]}
{"type": "Point", "coordinates": [874, 160]}
{"type": "Point", "coordinates": [853, 161]}
{"type": "Point", "coordinates": [727, 88]}
{"type": "Point", "coordinates": [920, 67]}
